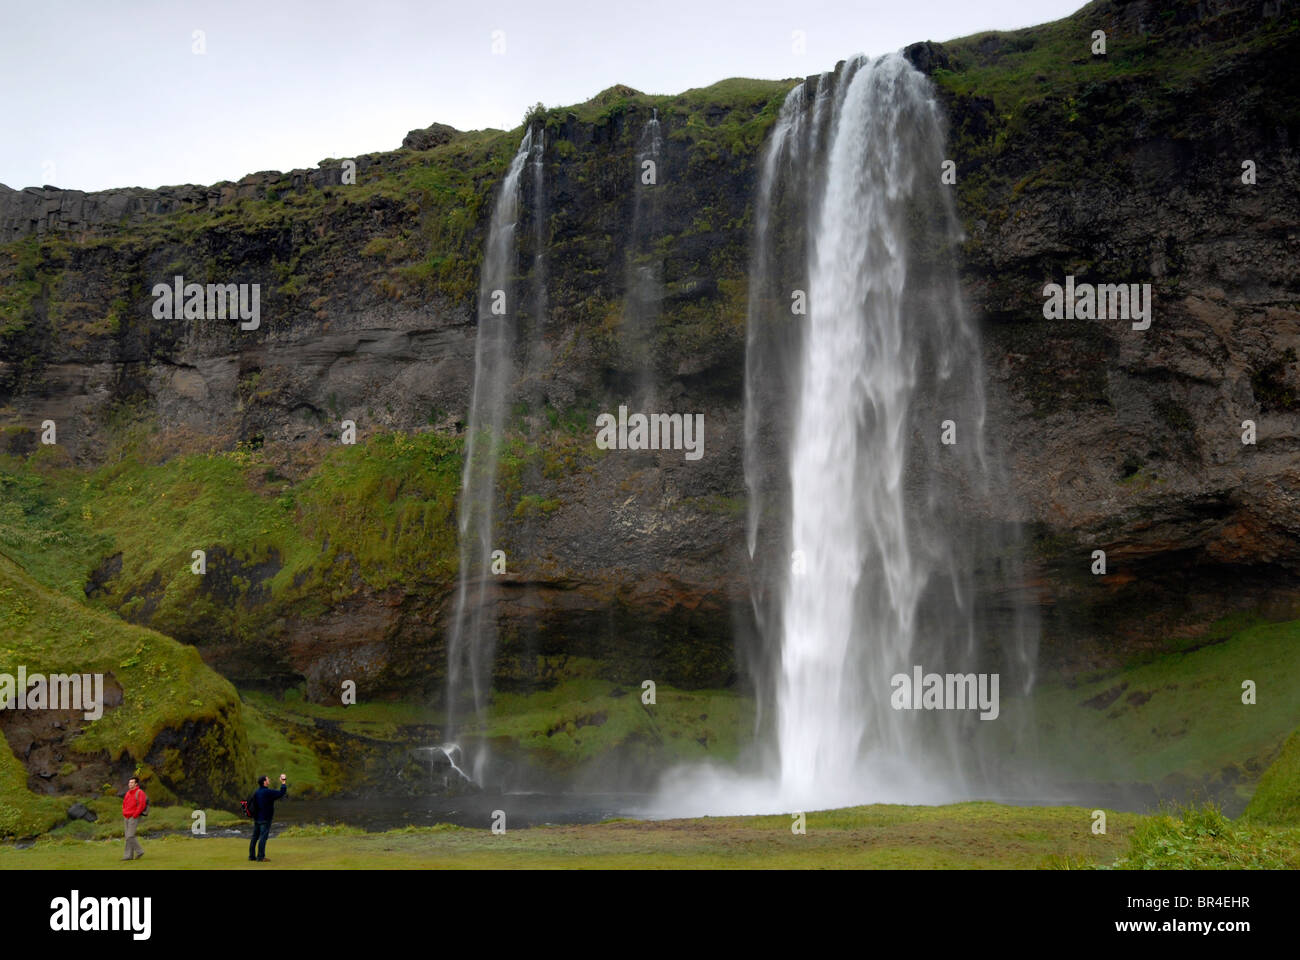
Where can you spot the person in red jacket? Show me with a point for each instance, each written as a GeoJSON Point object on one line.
{"type": "Point", "coordinates": [132, 806]}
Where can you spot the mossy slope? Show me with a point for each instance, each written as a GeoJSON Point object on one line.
{"type": "Point", "coordinates": [176, 713]}
{"type": "Point", "coordinates": [1277, 797]}
{"type": "Point", "coordinates": [364, 519]}
{"type": "Point", "coordinates": [1178, 719]}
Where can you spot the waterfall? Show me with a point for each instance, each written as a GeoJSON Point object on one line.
{"type": "Point", "coordinates": [473, 634]}
{"type": "Point", "coordinates": [539, 306]}
{"type": "Point", "coordinates": [644, 296]}
{"type": "Point", "coordinates": [865, 530]}
{"type": "Point", "coordinates": [849, 522]}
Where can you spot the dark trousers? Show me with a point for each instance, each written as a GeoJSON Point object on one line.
{"type": "Point", "coordinates": [257, 846]}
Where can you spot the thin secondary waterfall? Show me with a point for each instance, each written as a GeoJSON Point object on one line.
{"type": "Point", "coordinates": [538, 306]}
{"type": "Point", "coordinates": [643, 300]}
{"type": "Point", "coordinates": [473, 634]}
{"type": "Point", "coordinates": [869, 479]}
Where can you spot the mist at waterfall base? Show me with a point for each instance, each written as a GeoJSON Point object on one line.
{"type": "Point", "coordinates": [867, 534]}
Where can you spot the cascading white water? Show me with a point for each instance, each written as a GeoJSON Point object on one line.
{"type": "Point", "coordinates": [864, 547]}
{"type": "Point", "coordinates": [849, 524]}
{"type": "Point", "coordinates": [539, 304]}
{"type": "Point", "coordinates": [473, 633]}
{"type": "Point", "coordinates": [644, 296]}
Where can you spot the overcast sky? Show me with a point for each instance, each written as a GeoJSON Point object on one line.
{"type": "Point", "coordinates": [105, 93]}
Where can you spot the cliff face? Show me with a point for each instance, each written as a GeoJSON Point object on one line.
{"type": "Point", "coordinates": [1123, 168]}
{"type": "Point", "coordinates": [1125, 440]}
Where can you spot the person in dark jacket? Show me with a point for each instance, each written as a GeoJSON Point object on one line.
{"type": "Point", "coordinates": [263, 804]}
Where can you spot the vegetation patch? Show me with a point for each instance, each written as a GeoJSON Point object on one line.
{"type": "Point", "coordinates": [584, 719]}
{"type": "Point", "coordinates": [1202, 838]}
{"type": "Point", "coordinates": [1277, 797]}
{"type": "Point", "coordinates": [373, 515]}
{"type": "Point", "coordinates": [1179, 717]}
{"type": "Point", "coordinates": [166, 687]}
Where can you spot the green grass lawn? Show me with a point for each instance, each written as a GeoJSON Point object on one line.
{"type": "Point", "coordinates": [969, 835]}
{"type": "Point", "coordinates": [959, 836]}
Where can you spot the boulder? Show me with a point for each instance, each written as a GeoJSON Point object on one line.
{"type": "Point", "coordinates": [79, 811]}
{"type": "Point", "coordinates": [434, 135]}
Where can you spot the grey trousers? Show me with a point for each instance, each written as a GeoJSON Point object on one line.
{"type": "Point", "coordinates": [133, 848]}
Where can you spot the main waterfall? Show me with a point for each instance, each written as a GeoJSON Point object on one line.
{"type": "Point", "coordinates": [867, 531]}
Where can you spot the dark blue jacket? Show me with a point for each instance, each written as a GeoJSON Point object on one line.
{"type": "Point", "coordinates": [264, 802]}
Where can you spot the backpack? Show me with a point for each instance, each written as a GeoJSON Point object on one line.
{"type": "Point", "coordinates": [246, 807]}
{"type": "Point", "coordinates": [144, 811]}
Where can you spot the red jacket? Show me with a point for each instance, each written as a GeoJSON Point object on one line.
{"type": "Point", "coordinates": [133, 803]}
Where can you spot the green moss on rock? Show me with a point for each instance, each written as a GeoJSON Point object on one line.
{"type": "Point", "coordinates": [1277, 797]}
{"type": "Point", "coordinates": [178, 719]}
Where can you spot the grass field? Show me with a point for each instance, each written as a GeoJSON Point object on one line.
{"type": "Point", "coordinates": [964, 836]}
{"type": "Point", "coordinates": [959, 836]}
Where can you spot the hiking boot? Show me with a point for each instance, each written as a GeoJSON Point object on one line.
{"type": "Point", "coordinates": [263, 859]}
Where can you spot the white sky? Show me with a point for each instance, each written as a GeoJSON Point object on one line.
{"type": "Point", "coordinates": [108, 93]}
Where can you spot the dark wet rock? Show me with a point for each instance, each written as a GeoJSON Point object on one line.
{"type": "Point", "coordinates": [1104, 699]}
{"type": "Point", "coordinates": [434, 135]}
{"type": "Point", "coordinates": [430, 758]}
{"type": "Point", "coordinates": [109, 568]}
{"type": "Point", "coordinates": [927, 57]}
